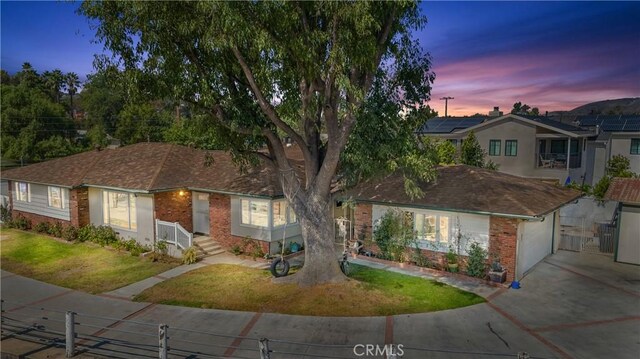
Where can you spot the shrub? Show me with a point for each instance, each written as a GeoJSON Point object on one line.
{"type": "Point", "coordinates": [236, 249]}
{"type": "Point", "coordinates": [70, 233]}
{"type": "Point", "coordinates": [104, 235]}
{"type": "Point", "coordinates": [161, 247]}
{"type": "Point", "coordinates": [190, 255]}
{"type": "Point", "coordinates": [42, 227]}
{"type": "Point", "coordinates": [476, 264]}
{"type": "Point", "coordinates": [56, 229]}
{"type": "Point", "coordinates": [85, 233]}
{"type": "Point", "coordinates": [21, 223]}
{"type": "Point", "coordinates": [393, 235]}
{"type": "Point", "coordinates": [5, 214]}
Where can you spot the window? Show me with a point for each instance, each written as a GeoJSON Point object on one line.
{"type": "Point", "coordinates": [635, 146]}
{"type": "Point", "coordinates": [23, 192]}
{"type": "Point", "coordinates": [56, 197]}
{"type": "Point", "coordinates": [119, 209]}
{"type": "Point", "coordinates": [454, 141]}
{"type": "Point", "coordinates": [494, 147]}
{"type": "Point", "coordinates": [282, 214]}
{"type": "Point", "coordinates": [433, 228]}
{"type": "Point", "coordinates": [511, 147]}
{"type": "Point", "coordinates": [255, 213]}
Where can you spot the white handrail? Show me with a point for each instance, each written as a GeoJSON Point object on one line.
{"type": "Point", "coordinates": [173, 233]}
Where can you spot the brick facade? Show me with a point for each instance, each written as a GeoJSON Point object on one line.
{"type": "Point", "coordinates": [503, 238]}
{"type": "Point", "coordinates": [174, 207]}
{"type": "Point", "coordinates": [37, 218]}
{"type": "Point", "coordinates": [363, 217]}
{"type": "Point", "coordinates": [220, 223]}
{"type": "Point", "coordinates": [79, 206]}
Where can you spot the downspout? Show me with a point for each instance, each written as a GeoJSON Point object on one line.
{"type": "Point", "coordinates": [617, 237]}
{"type": "Point", "coordinates": [553, 233]}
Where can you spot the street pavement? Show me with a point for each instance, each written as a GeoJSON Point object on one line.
{"type": "Point", "coordinates": [572, 305]}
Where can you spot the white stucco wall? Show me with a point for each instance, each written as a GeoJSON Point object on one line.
{"type": "Point", "coordinates": [621, 145]}
{"type": "Point", "coordinates": [629, 236]}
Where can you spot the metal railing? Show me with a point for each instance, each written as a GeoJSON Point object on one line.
{"type": "Point", "coordinates": [79, 333]}
{"type": "Point", "coordinates": [557, 160]}
{"type": "Point", "coordinates": [173, 233]}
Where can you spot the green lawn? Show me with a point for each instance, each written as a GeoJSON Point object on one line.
{"type": "Point", "coordinates": [82, 266]}
{"type": "Point", "coordinates": [371, 292]}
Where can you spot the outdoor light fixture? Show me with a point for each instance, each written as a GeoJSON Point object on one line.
{"type": "Point", "coordinates": [181, 193]}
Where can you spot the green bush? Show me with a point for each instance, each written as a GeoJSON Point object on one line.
{"type": "Point", "coordinates": [42, 227]}
{"type": "Point", "coordinates": [55, 229]}
{"type": "Point", "coordinates": [85, 233]}
{"type": "Point", "coordinates": [21, 223]}
{"type": "Point", "coordinates": [476, 264]}
{"type": "Point", "coordinates": [5, 214]}
{"type": "Point", "coordinates": [70, 233]}
{"type": "Point", "coordinates": [236, 249]}
{"type": "Point", "coordinates": [190, 255]}
{"type": "Point", "coordinates": [104, 235]}
{"type": "Point", "coordinates": [393, 235]}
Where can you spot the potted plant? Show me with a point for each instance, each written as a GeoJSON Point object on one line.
{"type": "Point", "coordinates": [497, 274]}
{"type": "Point", "coordinates": [452, 261]}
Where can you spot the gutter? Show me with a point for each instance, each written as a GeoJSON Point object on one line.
{"type": "Point", "coordinates": [225, 192]}
{"type": "Point", "coordinates": [486, 213]}
{"type": "Point", "coordinates": [41, 183]}
{"type": "Point", "coordinates": [117, 189]}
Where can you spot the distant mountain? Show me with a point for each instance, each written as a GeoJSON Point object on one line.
{"type": "Point", "coordinates": [621, 106]}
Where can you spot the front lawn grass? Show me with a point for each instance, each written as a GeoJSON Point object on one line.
{"type": "Point", "coordinates": [82, 266]}
{"type": "Point", "coordinates": [371, 292]}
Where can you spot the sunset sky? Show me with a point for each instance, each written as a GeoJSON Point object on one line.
{"type": "Point", "coordinates": [551, 55]}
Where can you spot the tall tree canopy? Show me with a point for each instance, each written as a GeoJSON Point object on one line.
{"type": "Point", "coordinates": [266, 70]}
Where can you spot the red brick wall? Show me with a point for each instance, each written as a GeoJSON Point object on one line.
{"type": "Point", "coordinates": [363, 220]}
{"type": "Point", "coordinates": [37, 218]}
{"type": "Point", "coordinates": [503, 238]}
{"type": "Point", "coordinates": [173, 207]}
{"type": "Point", "coordinates": [220, 223]}
{"type": "Point", "coordinates": [79, 206]}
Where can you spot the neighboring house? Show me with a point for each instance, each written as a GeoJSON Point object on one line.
{"type": "Point", "coordinates": [514, 218]}
{"type": "Point", "coordinates": [614, 135]}
{"type": "Point", "coordinates": [626, 191]}
{"type": "Point", "coordinates": [540, 147]}
{"type": "Point", "coordinates": [131, 188]}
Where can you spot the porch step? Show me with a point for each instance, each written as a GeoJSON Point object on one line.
{"type": "Point", "coordinates": [206, 247]}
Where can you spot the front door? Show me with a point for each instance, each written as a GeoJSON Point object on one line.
{"type": "Point", "coordinates": [200, 212]}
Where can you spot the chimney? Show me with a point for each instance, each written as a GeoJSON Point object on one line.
{"type": "Point", "coordinates": [496, 112]}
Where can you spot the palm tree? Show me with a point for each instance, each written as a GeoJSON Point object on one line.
{"type": "Point", "coordinates": [54, 80]}
{"type": "Point", "coordinates": [71, 83]}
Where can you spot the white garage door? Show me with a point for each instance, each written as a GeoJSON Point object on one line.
{"type": "Point", "coordinates": [534, 243]}
{"type": "Point", "coordinates": [629, 236]}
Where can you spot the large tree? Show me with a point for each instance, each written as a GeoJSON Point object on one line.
{"type": "Point", "coordinates": [268, 70]}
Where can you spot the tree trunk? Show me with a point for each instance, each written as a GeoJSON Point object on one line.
{"type": "Point", "coordinates": [320, 257]}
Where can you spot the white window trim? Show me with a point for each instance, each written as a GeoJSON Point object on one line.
{"type": "Point", "coordinates": [288, 215]}
{"type": "Point", "coordinates": [438, 244]}
{"type": "Point", "coordinates": [17, 195]}
{"type": "Point", "coordinates": [62, 197]}
{"type": "Point", "coordinates": [108, 214]}
{"type": "Point", "coordinates": [250, 201]}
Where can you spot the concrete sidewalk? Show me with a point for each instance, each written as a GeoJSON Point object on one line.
{"type": "Point", "coordinates": [568, 307]}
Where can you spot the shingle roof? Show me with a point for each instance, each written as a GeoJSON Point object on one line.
{"type": "Point", "coordinates": [449, 124]}
{"type": "Point", "coordinates": [625, 190]}
{"type": "Point", "coordinates": [470, 189]}
{"type": "Point", "coordinates": [152, 167]}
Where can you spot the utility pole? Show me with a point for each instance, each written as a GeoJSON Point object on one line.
{"type": "Point", "coordinates": [446, 102]}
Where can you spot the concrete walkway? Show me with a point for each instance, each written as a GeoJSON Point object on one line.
{"type": "Point", "coordinates": [130, 291]}
{"type": "Point", "coordinates": [571, 306]}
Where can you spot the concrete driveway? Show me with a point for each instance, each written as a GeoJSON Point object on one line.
{"type": "Point", "coordinates": [571, 306]}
